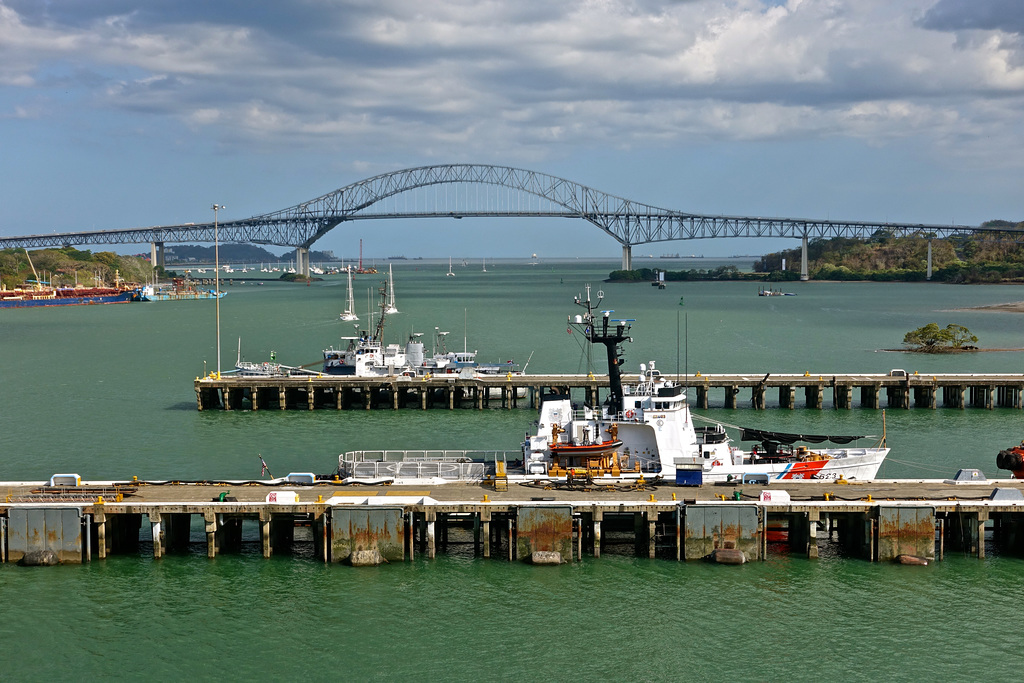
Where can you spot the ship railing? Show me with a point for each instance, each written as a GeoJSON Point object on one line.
{"type": "Point", "coordinates": [455, 465]}
{"type": "Point", "coordinates": [464, 465]}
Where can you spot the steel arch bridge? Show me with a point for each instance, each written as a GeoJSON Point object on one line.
{"type": "Point", "coordinates": [474, 190]}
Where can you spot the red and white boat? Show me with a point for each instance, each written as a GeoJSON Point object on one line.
{"type": "Point", "coordinates": [653, 423]}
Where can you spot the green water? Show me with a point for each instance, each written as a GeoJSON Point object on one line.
{"type": "Point", "coordinates": [106, 392]}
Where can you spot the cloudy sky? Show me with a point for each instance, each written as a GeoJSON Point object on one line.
{"type": "Point", "coordinates": [119, 113]}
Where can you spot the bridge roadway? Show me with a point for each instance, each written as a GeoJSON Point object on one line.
{"type": "Point", "coordinates": [950, 390]}
{"type": "Point", "coordinates": [440, 191]}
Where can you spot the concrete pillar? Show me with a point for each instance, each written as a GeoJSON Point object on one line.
{"type": "Point", "coordinates": [787, 397]}
{"type": "Point", "coordinates": [156, 254]}
{"type": "Point", "coordinates": [155, 525]}
{"type": "Point", "coordinates": [302, 261]}
{"type": "Point", "coordinates": [100, 520]}
{"type": "Point", "coordinates": [814, 396]}
{"type": "Point", "coordinates": [869, 396]}
{"type": "Point", "coordinates": [652, 532]}
{"type": "Point", "coordinates": [842, 395]}
{"type": "Point", "coordinates": [812, 534]}
{"type": "Point", "coordinates": [679, 533]}
{"type": "Point", "coordinates": [928, 274]}
{"type": "Point", "coordinates": [702, 397]}
{"type": "Point", "coordinates": [431, 541]}
{"type": "Point", "coordinates": [804, 270]}
{"type": "Point", "coordinates": [282, 398]}
{"type": "Point", "coordinates": [265, 534]}
{"type": "Point", "coordinates": [730, 397]}
{"type": "Point", "coordinates": [627, 257]}
{"type": "Point", "coordinates": [211, 534]}
{"type": "Point", "coordinates": [485, 532]}
{"type": "Point", "coordinates": [598, 517]}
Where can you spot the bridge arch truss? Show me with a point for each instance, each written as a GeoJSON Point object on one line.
{"type": "Point", "coordinates": [475, 190]}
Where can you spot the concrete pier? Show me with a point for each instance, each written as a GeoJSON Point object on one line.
{"type": "Point", "coordinates": [876, 521]}
{"type": "Point", "coordinates": [332, 392]}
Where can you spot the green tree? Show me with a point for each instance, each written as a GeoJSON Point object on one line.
{"type": "Point", "coordinates": [933, 339]}
{"type": "Point", "coordinates": [959, 336]}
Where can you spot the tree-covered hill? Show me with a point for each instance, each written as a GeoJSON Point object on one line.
{"type": "Point", "coordinates": [884, 257]}
{"type": "Point", "coordinates": [69, 266]}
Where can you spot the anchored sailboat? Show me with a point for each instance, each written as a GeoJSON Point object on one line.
{"type": "Point", "coordinates": [350, 308]}
{"type": "Point", "coordinates": [389, 307]}
{"type": "Point", "coordinates": [450, 273]}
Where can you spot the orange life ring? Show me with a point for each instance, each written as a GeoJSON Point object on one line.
{"type": "Point", "coordinates": [716, 463]}
{"type": "Point", "coordinates": [630, 414]}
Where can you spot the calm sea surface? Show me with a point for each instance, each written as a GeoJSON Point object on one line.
{"type": "Point", "coordinates": [106, 391]}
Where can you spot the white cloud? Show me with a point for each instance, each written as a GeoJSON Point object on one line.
{"type": "Point", "coordinates": [511, 78]}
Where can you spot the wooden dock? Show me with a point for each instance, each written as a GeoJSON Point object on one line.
{"type": "Point", "coordinates": [873, 391]}
{"type": "Point", "coordinates": [876, 521]}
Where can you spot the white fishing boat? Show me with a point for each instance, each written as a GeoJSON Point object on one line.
{"type": "Point", "coordinates": [643, 430]}
{"type": "Point", "coordinates": [350, 308]}
{"type": "Point", "coordinates": [773, 292]}
{"type": "Point", "coordinates": [390, 307]}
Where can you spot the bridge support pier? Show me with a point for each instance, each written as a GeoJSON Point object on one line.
{"type": "Point", "coordinates": [804, 271]}
{"type": "Point", "coordinates": [156, 254]}
{"type": "Point", "coordinates": [302, 261]}
{"type": "Point", "coordinates": [627, 257]}
{"type": "Point", "coordinates": [928, 274]}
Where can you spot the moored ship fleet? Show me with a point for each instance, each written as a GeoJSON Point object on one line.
{"type": "Point", "coordinates": [643, 430]}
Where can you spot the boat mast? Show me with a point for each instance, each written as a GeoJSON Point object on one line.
{"type": "Point", "coordinates": [609, 333]}
{"type": "Point", "coordinates": [379, 336]}
{"type": "Point", "coordinates": [39, 285]}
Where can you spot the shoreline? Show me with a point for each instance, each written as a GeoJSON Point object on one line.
{"type": "Point", "coordinates": [1012, 307]}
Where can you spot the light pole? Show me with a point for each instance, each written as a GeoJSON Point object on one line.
{"type": "Point", "coordinates": [216, 277]}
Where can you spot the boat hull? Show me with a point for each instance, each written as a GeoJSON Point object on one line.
{"type": "Point", "coordinates": [859, 464]}
{"type": "Point", "coordinates": [181, 296]}
{"type": "Point", "coordinates": [120, 298]}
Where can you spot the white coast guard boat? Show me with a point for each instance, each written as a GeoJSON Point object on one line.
{"type": "Point", "coordinates": [643, 430]}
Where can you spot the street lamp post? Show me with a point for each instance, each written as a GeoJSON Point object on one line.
{"type": "Point", "coordinates": [216, 277]}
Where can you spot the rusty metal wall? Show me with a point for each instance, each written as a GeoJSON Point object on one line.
{"type": "Point", "coordinates": [709, 527]}
{"type": "Point", "coordinates": [56, 529]}
{"type": "Point", "coordinates": [544, 528]}
{"type": "Point", "coordinates": [904, 530]}
{"type": "Point", "coordinates": [366, 528]}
